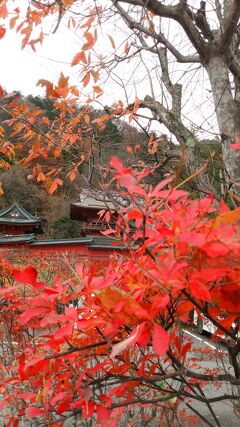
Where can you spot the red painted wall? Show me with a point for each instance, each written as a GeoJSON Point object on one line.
{"type": "Point", "coordinates": [53, 251]}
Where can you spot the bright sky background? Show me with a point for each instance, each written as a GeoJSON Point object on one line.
{"type": "Point", "coordinates": [21, 69]}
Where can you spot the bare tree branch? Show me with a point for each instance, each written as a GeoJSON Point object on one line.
{"type": "Point", "coordinates": [181, 13]}
{"type": "Point", "coordinates": [219, 11]}
{"type": "Point", "coordinates": [230, 22]}
{"type": "Point", "coordinates": [159, 37]}
{"type": "Point", "coordinates": [202, 23]}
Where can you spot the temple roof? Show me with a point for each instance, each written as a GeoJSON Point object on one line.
{"type": "Point", "coordinates": [96, 199]}
{"type": "Point", "coordinates": [60, 242]}
{"type": "Point", "coordinates": [12, 239]}
{"type": "Point", "coordinates": [102, 242]}
{"type": "Point", "coordinates": [16, 214]}
{"type": "Point", "coordinates": [89, 241]}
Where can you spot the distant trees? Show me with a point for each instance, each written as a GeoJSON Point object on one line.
{"type": "Point", "coordinates": [18, 187]}
{"type": "Point", "coordinates": [29, 169]}
{"type": "Point", "coordinates": [154, 35]}
{"type": "Point", "coordinates": [65, 228]}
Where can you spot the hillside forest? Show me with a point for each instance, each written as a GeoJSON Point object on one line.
{"type": "Point", "coordinates": [93, 146]}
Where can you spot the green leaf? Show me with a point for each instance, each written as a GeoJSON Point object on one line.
{"type": "Point", "coordinates": [160, 384]}
{"type": "Point", "coordinates": [191, 142]}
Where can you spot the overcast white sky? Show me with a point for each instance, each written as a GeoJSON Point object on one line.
{"type": "Point", "coordinates": [21, 69]}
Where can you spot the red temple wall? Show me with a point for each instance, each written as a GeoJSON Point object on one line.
{"type": "Point", "coordinates": [79, 252]}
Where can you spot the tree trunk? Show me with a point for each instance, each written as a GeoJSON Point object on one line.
{"type": "Point", "coordinates": [228, 117]}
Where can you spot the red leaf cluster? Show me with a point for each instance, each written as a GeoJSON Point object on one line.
{"type": "Point", "coordinates": [120, 325]}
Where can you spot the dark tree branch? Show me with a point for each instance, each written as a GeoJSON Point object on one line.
{"type": "Point", "coordinates": [180, 13]}
{"type": "Point", "coordinates": [158, 37]}
{"type": "Point", "coordinates": [164, 399]}
{"type": "Point", "coordinates": [219, 11]}
{"type": "Point", "coordinates": [74, 349]}
{"type": "Point", "coordinates": [230, 23]}
{"type": "Point", "coordinates": [202, 23]}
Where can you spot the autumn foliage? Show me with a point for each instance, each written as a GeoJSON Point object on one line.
{"type": "Point", "coordinates": [96, 343]}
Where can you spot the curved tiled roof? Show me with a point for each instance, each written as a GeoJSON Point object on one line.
{"type": "Point", "coordinates": [16, 214]}
{"type": "Point", "coordinates": [97, 199]}
{"type": "Point", "coordinates": [19, 238]}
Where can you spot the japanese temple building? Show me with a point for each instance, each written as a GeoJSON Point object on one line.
{"type": "Point", "coordinates": [16, 224]}
{"type": "Point", "coordinates": [86, 210]}
{"type": "Point", "coordinates": [20, 230]}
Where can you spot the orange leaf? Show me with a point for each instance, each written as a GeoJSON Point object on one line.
{"type": "Point", "coordinates": [54, 185]}
{"type": "Point", "coordinates": [13, 22]}
{"type": "Point", "coordinates": [79, 57]}
{"type": "Point", "coordinates": [48, 85]}
{"type": "Point", "coordinates": [95, 75]}
{"type": "Point", "coordinates": [63, 81]}
{"type": "Point", "coordinates": [74, 91]}
{"type": "Point", "coordinates": [1, 189]}
{"type": "Point", "coordinates": [90, 41]}
{"type": "Point", "coordinates": [57, 152]}
{"type": "Point", "coordinates": [87, 118]}
{"type": "Point", "coordinates": [41, 177]}
{"type": "Point", "coordinates": [231, 217]}
{"type": "Point", "coordinates": [72, 175]}
{"type": "Point", "coordinates": [86, 79]}
{"type": "Point", "coordinates": [97, 89]}
{"type": "Point", "coordinates": [131, 311]}
{"type": "Point", "coordinates": [89, 22]}
{"type": "Point", "coordinates": [46, 120]}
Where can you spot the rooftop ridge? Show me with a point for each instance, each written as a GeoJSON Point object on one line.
{"type": "Point", "coordinates": [19, 213]}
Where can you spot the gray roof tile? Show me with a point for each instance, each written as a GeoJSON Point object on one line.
{"type": "Point", "coordinates": [18, 215]}
{"type": "Point", "coordinates": [27, 238]}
